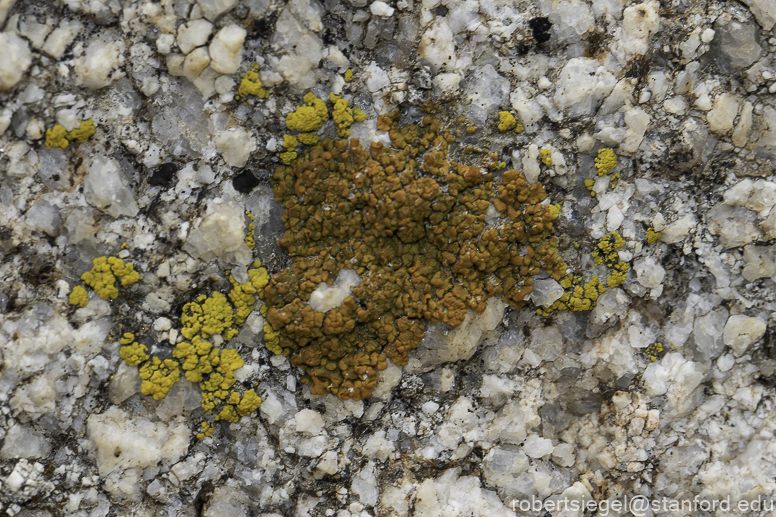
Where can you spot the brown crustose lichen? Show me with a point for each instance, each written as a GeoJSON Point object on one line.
{"type": "Point", "coordinates": [412, 223]}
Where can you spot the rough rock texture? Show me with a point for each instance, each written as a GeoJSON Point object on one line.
{"type": "Point", "coordinates": [650, 126]}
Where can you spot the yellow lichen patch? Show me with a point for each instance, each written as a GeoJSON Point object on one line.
{"type": "Point", "coordinates": [250, 402]}
{"type": "Point", "coordinates": [577, 297]}
{"type": "Point", "coordinates": [411, 222]}
{"type": "Point", "coordinates": [654, 351]}
{"type": "Point", "coordinates": [249, 240]}
{"type": "Point", "coordinates": [652, 236]}
{"type": "Point", "coordinates": [271, 338]}
{"type": "Point", "coordinates": [290, 142]}
{"type": "Point", "coordinates": [287, 157]}
{"type": "Point", "coordinates": [78, 296]}
{"type": "Point", "coordinates": [607, 248]}
{"type": "Point", "coordinates": [56, 137]}
{"type": "Point", "coordinates": [228, 413]}
{"type": "Point", "coordinates": [208, 316]}
{"type": "Point", "coordinates": [546, 157]}
{"type": "Point", "coordinates": [348, 75]}
{"type": "Point", "coordinates": [102, 277]}
{"type": "Point", "coordinates": [308, 117]}
{"type": "Point", "coordinates": [158, 377]}
{"type": "Point", "coordinates": [83, 132]}
{"type": "Point", "coordinates": [221, 379]}
{"type": "Point", "coordinates": [507, 121]}
{"type": "Point", "coordinates": [132, 353]}
{"type": "Point", "coordinates": [60, 137]}
{"type": "Point", "coordinates": [343, 115]}
{"type": "Point", "coordinates": [605, 162]}
{"type": "Point", "coordinates": [618, 276]}
{"type": "Point", "coordinates": [250, 84]}
{"type": "Point", "coordinates": [589, 184]}
{"type": "Point", "coordinates": [235, 408]}
{"type": "Point", "coordinates": [309, 138]}
{"type": "Point", "coordinates": [203, 363]}
{"type": "Point", "coordinates": [197, 359]}
{"type": "Point", "coordinates": [614, 180]}
{"type": "Point", "coordinates": [207, 430]}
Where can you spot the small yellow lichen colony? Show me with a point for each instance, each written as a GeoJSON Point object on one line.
{"type": "Point", "coordinates": [311, 116]}
{"type": "Point", "coordinates": [132, 352]}
{"type": "Point", "coordinates": [654, 351]}
{"type": "Point", "coordinates": [250, 84]}
{"type": "Point", "coordinates": [653, 236]}
{"type": "Point", "coordinates": [78, 296]}
{"type": "Point", "coordinates": [59, 137]}
{"type": "Point", "coordinates": [411, 222]}
{"type": "Point", "coordinates": [607, 253]}
{"type": "Point", "coordinates": [249, 240]}
{"type": "Point", "coordinates": [343, 115]}
{"type": "Point", "coordinates": [102, 278]}
{"type": "Point", "coordinates": [200, 360]}
{"type": "Point", "coordinates": [605, 162]}
{"type": "Point", "coordinates": [583, 297]}
{"type": "Point", "coordinates": [308, 117]}
{"type": "Point", "coordinates": [507, 121]}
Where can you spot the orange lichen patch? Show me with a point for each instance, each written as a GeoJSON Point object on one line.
{"type": "Point", "coordinates": [411, 222]}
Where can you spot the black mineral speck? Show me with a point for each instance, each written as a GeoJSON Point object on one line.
{"type": "Point", "coordinates": [163, 175]}
{"type": "Point", "coordinates": [540, 26]}
{"type": "Point", "coordinates": [440, 11]}
{"type": "Point", "coordinates": [245, 182]}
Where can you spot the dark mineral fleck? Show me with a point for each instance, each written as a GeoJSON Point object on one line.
{"type": "Point", "coordinates": [245, 182]}
{"type": "Point", "coordinates": [163, 175]}
{"type": "Point", "coordinates": [540, 26]}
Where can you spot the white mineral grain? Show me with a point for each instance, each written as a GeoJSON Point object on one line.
{"type": "Point", "coordinates": [193, 34]}
{"type": "Point", "coordinates": [487, 91]}
{"type": "Point", "coordinates": [453, 494]}
{"type": "Point", "coordinates": [326, 297]}
{"type": "Point", "coordinates": [61, 38]}
{"type": "Point", "coordinates": [44, 217]}
{"type": "Point", "coordinates": [649, 272]}
{"type": "Point", "coordinates": [734, 225]}
{"type": "Point", "coordinates": [213, 9]}
{"type": "Point", "coordinates": [640, 22]}
{"type": "Point", "coordinates": [236, 146]}
{"type": "Point", "coordinates": [99, 65]}
{"type": "Point", "coordinates": [759, 262]}
{"type": "Point", "coordinates": [227, 500]}
{"type": "Point", "coordinates": [546, 292]}
{"type": "Point", "coordinates": [764, 11]}
{"type": "Point", "coordinates": [461, 342]}
{"type": "Point", "coordinates": [437, 47]}
{"type": "Point", "coordinates": [226, 49]}
{"type": "Point", "coordinates": [502, 466]}
{"type": "Point", "coordinates": [220, 234]}
{"type": "Point", "coordinates": [723, 114]}
{"type": "Point", "coordinates": [5, 7]}
{"type": "Point", "coordinates": [24, 442]}
{"type": "Point", "coordinates": [122, 442]}
{"type": "Point", "coordinates": [15, 59]}
{"type": "Point", "coordinates": [570, 19]}
{"type": "Point", "coordinates": [297, 70]}
{"type": "Point", "coordinates": [582, 85]}
{"type": "Point", "coordinates": [308, 422]}
{"type": "Point", "coordinates": [379, 8]}
{"type": "Point", "coordinates": [679, 229]}
{"type": "Point", "coordinates": [741, 332]}
{"type": "Point", "coordinates": [106, 187]}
